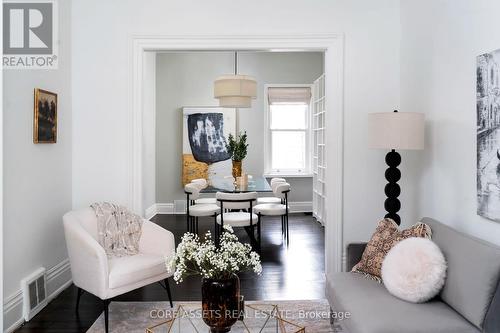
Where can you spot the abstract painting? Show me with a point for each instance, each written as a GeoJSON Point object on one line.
{"type": "Point", "coordinates": [205, 133]}
{"type": "Point", "coordinates": [45, 117]}
{"type": "Point", "coordinates": [488, 135]}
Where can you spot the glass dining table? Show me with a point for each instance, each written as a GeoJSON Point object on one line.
{"type": "Point", "coordinates": [226, 184]}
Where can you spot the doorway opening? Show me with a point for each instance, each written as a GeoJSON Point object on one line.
{"type": "Point", "coordinates": [144, 52]}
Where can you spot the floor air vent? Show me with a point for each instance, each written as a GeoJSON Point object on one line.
{"type": "Point", "coordinates": [34, 293]}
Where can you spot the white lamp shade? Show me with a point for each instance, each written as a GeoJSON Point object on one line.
{"type": "Point", "coordinates": [396, 130]}
{"type": "Point", "coordinates": [235, 91]}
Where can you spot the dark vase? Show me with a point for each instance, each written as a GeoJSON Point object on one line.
{"type": "Point", "coordinates": [220, 299]}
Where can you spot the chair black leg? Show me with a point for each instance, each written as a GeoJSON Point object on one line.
{"type": "Point", "coordinates": [79, 294]}
{"type": "Point", "coordinates": [282, 225]}
{"type": "Point", "coordinates": [259, 234]}
{"type": "Point", "coordinates": [105, 304]}
{"type": "Point", "coordinates": [167, 286]}
{"type": "Point", "coordinates": [287, 233]}
{"type": "Point", "coordinates": [196, 228]}
{"type": "Point", "coordinates": [216, 230]}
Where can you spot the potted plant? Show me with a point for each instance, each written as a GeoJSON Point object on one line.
{"type": "Point", "coordinates": [218, 267]}
{"type": "Point", "coordinates": [237, 149]}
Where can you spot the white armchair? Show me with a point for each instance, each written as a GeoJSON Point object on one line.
{"type": "Point", "coordinates": [94, 272]}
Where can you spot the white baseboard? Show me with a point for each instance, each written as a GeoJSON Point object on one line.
{"type": "Point", "coordinates": [161, 208]}
{"type": "Point", "coordinates": [170, 208]}
{"type": "Point", "coordinates": [300, 206]}
{"type": "Point", "coordinates": [58, 279]}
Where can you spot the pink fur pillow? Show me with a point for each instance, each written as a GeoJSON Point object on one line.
{"type": "Point", "coordinates": [414, 270]}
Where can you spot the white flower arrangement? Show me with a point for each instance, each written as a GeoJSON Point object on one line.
{"type": "Point", "coordinates": [196, 257]}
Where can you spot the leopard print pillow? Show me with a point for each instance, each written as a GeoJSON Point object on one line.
{"type": "Point", "coordinates": [383, 239]}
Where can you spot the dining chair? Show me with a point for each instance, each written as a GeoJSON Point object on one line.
{"type": "Point", "coordinates": [202, 182]}
{"type": "Point", "coordinates": [270, 200]}
{"type": "Point", "coordinates": [196, 210]}
{"type": "Point", "coordinates": [106, 277]}
{"type": "Point", "coordinates": [236, 210]}
{"type": "Point", "coordinates": [281, 191]}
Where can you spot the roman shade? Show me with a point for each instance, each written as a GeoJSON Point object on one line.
{"type": "Point", "coordinates": [295, 95]}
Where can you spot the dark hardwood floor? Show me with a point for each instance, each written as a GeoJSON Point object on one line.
{"type": "Point", "coordinates": [296, 272]}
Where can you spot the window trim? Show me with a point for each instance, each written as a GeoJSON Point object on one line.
{"type": "Point", "coordinates": [267, 136]}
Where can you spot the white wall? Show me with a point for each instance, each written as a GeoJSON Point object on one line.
{"type": "Point", "coordinates": [438, 75]}
{"type": "Point", "coordinates": [149, 124]}
{"type": "Point", "coordinates": [102, 32]}
{"type": "Point", "coordinates": [37, 177]}
{"type": "Point", "coordinates": [186, 79]}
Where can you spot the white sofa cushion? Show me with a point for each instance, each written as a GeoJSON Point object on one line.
{"type": "Point", "coordinates": [131, 269]}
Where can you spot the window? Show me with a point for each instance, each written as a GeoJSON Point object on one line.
{"type": "Point", "coordinates": [287, 137]}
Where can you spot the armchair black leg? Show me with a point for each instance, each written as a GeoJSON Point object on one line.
{"type": "Point", "coordinates": [105, 304]}
{"type": "Point", "coordinates": [78, 295]}
{"type": "Point", "coordinates": [167, 286]}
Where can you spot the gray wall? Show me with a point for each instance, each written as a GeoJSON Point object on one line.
{"type": "Point", "coordinates": [186, 79]}
{"type": "Point", "coordinates": [37, 177]}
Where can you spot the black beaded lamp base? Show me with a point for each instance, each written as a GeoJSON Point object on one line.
{"type": "Point", "coordinates": [392, 190]}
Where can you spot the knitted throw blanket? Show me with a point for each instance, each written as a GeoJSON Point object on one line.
{"type": "Point", "coordinates": [119, 230]}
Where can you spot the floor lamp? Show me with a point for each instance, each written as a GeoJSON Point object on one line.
{"type": "Point", "coordinates": [395, 131]}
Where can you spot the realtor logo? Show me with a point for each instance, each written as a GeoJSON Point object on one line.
{"type": "Point", "coordinates": [29, 35]}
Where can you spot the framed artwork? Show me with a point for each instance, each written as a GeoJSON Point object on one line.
{"type": "Point", "coordinates": [488, 135]}
{"type": "Point", "coordinates": [45, 117]}
{"type": "Point", "coordinates": [205, 133]}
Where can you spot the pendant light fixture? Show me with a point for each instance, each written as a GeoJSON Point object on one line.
{"type": "Point", "coordinates": [235, 91]}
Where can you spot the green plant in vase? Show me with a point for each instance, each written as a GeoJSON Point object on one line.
{"type": "Point", "coordinates": [237, 147]}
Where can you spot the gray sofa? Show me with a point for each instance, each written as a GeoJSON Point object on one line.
{"type": "Point", "coordinates": [469, 301]}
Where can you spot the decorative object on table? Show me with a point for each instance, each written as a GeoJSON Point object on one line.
{"type": "Point", "coordinates": [237, 147]}
{"type": "Point", "coordinates": [242, 180]}
{"type": "Point", "coordinates": [488, 135]}
{"type": "Point", "coordinates": [395, 130]}
{"type": "Point", "coordinates": [235, 90]}
{"type": "Point", "coordinates": [386, 235]}
{"type": "Point", "coordinates": [414, 270]}
{"type": "Point", "coordinates": [205, 135]}
{"type": "Point", "coordinates": [45, 117]}
{"type": "Point", "coordinates": [218, 267]}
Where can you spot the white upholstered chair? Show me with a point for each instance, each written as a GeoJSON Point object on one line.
{"type": "Point", "coordinates": [202, 182]}
{"type": "Point", "coordinates": [194, 210]}
{"type": "Point", "coordinates": [281, 191]}
{"type": "Point", "coordinates": [272, 200]}
{"type": "Point", "coordinates": [105, 277]}
{"type": "Point", "coordinates": [239, 213]}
